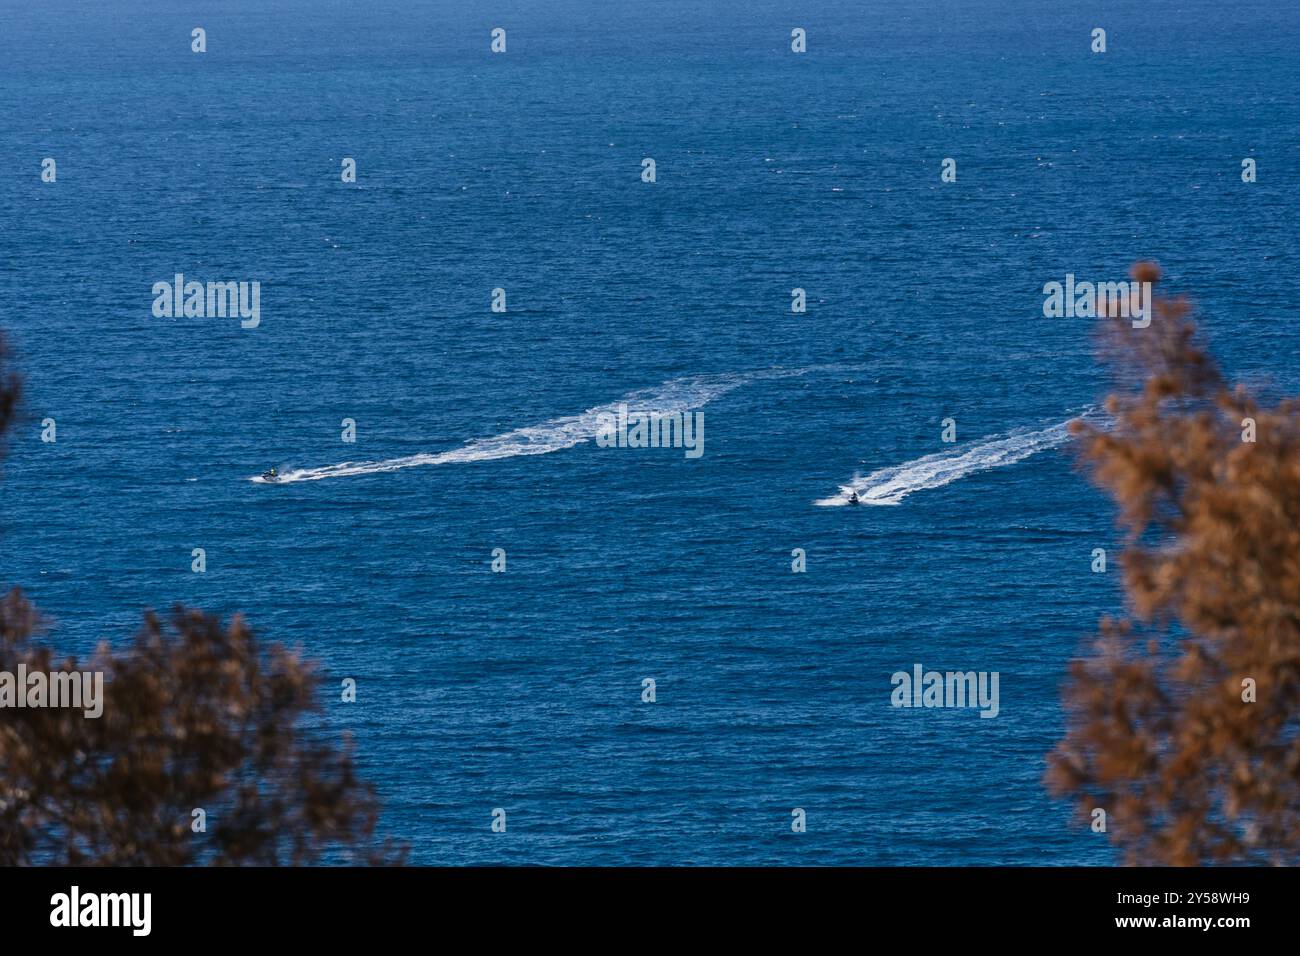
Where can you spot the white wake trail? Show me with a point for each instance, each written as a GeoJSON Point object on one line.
{"type": "Point", "coordinates": [889, 486]}
{"type": "Point", "coordinates": [677, 395]}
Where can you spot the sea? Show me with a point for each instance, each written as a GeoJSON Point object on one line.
{"type": "Point", "coordinates": [524, 689]}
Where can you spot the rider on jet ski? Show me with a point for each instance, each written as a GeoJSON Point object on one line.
{"type": "Point", "coordinates": [853, 498]}
{"type": "Point", "coordinates": [271, 475]}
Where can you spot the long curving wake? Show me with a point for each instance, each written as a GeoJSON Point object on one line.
{"type": "Point", "coordinates": [889, 486]}
{"type": "Point", "coordinates": [677, 395]}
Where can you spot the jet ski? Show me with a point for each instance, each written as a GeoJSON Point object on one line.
{"type": "Point", "coordinates": [853, 498]}
{"type": "Point", "coordinates": [271, 475]}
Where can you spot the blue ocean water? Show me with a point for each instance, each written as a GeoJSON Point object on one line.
{"type": "Point", "coordinates": [522, 171]}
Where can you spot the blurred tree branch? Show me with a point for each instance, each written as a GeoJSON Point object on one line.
{"type": "Point", "coordinates": [196, 715]}
{"type": "Point", "coordinates": [1161, 734]}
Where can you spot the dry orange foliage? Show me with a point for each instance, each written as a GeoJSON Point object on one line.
{"type": "Point", "coordinates": [1183, 721]}
{"type": "Point", "coordinates": [197, 715]}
